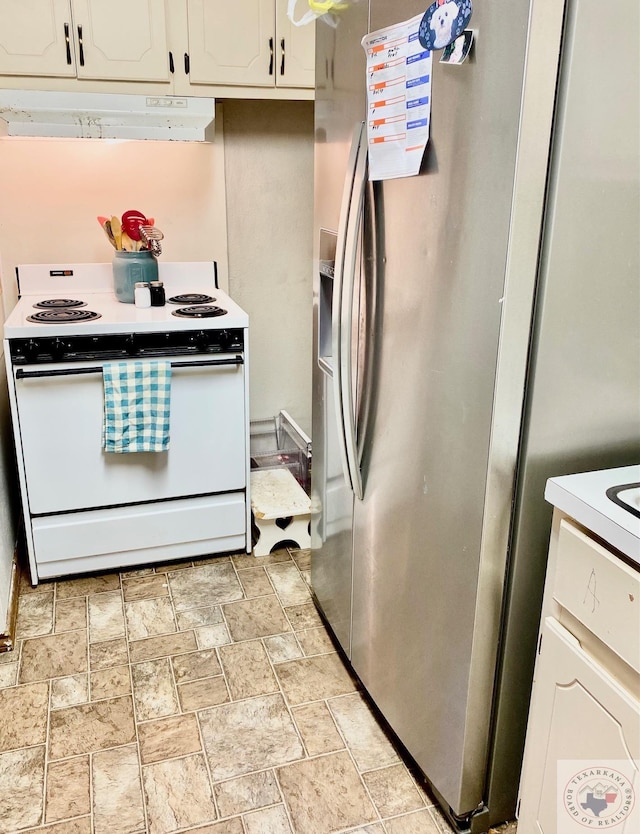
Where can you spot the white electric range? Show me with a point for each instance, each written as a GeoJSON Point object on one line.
{"type": "Point", "coordinates": [85, 509]}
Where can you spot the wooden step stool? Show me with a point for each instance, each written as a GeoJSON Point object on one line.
{"type": "Point", "coordinates": [281, 511]}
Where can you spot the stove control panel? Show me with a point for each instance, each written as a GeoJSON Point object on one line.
{"type": "Point", "coordinates": [124, 346]}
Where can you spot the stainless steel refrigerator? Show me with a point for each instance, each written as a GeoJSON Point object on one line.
{"type": "Point", "coordinates": [476, 331]}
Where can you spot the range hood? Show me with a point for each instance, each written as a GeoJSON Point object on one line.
{"type": "Point", "coordinates": [105, 116]}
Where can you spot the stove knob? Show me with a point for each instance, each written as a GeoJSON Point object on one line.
{"type": "Point", "coordinates": [57, 349]}
{"type": "Point", "coordinates": [130, 345]}
{"type": "Point", "coordinates": [202, 340]}
{"type": "Point", "coordinates": [31, 350]}
{"type": "Point", "coordinates": [224, 339]}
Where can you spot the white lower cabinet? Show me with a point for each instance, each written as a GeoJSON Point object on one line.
{"type": "Point", "coordinates": [583, 742]}
{"type": "Point", "coordinates": [581, 766]}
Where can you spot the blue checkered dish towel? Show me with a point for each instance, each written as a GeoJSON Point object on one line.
{"type": "Point", "coordinates": [137, 399]}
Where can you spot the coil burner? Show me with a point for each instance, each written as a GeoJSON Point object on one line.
{"type": "Point", "coordinates": [63, 316]}
{"type": "Point", "coordinates": [191, 298]}
{"type": "Point", "coordinates": [199, 311]}
{"type": "Point", "coordinates": [59, 304]}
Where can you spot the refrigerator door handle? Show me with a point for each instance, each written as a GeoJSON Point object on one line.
{"type": "Point", "coordinates": [336, 301]}
{"type": "Point", "coordinates": [367, 357]}
{"type": "Point", "coordinates": [351, 249]}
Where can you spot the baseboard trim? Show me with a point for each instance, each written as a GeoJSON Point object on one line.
{"type": "Point", "coordinates": [7, 637]}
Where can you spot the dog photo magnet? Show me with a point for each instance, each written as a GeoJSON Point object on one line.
{"type": "Point", "coordinates": [458, 50]}
{"type": "Point", "coordinates": [443, 22]}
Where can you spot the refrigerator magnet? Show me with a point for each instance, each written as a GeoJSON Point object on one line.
{"type": "Point", "coordinates": [458, 50]}
{"type": "Point", "coordinates": [443, 22]}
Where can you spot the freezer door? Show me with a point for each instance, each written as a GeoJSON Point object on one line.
{"type": "Point", "coordinates": [339, 109]}
{"type": "Point", "coordinates": [426, 600]}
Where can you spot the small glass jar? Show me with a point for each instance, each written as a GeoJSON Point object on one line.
{"type": "Point", "coordinates": [130, 268]}
{"type": "Point", "coordinates": [142, 294]}
{"type": "Point", "coordinates": [157, 294]}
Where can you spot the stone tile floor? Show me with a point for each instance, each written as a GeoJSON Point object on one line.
{"type": "Point", "coordinates": [194, 697]}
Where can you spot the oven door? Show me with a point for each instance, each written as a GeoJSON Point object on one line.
{"type": "Point", "coordinates": [60, 415]}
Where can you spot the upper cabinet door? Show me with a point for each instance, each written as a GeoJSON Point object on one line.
{"type": "Point", "coordinates": [35, 38]}
{"type": "Point", "coordinates": [296, 51]}
{"type": "Point", "coordinates": [232, 42]}
{"type": "Point", "coordinates": [121, 40]}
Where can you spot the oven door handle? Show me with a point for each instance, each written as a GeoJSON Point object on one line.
{"type": "Point", "coordinates": [22, 374]}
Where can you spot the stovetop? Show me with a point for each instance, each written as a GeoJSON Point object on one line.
{"type": "Point", "coordinates": [92, 284]}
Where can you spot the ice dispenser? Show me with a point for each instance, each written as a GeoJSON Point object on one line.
{"type": "Point", "coordinates": [325, 300]}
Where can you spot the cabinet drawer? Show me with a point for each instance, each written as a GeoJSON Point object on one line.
{"type": "Point", "coordinates": [600, 590]}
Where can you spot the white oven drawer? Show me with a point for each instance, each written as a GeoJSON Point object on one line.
{"type": "Point", "coordinates": [60, 423]}
{"type": "Point", "coordinates": [124, 536]}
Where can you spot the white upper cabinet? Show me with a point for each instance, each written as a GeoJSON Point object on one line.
{"type": "Point", "coordinates": [121, 40]}
{"type": "Point", "coordinates": [249, 43]}
{"type": "Point", "coordinates": [90, 39]}
{"type": "Point", "coordinates": [295, 51]}
{"type": "Point", "coordinates": [36, 38]}
{"type": "Point", "coordinates": [240, 48]}
{"type": "Point", "coordinates": [232, 43]}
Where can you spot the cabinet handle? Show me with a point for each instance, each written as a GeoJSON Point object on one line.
{"type": "Point", "coordinates": [270, 56]}
{"type": "Point", "coordinates": [67, 42]}
{"type": "Point", "coordinates": [81, 46]}
{"type": "Point", "coordinates": [282, 61]}
{"type": "Point", "coordinates": [172, 69]}
{"type": "Point", "coordinates": [187, 63]}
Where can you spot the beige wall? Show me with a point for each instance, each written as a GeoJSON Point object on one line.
{"type": "Point", "coordinates": [269, 176]}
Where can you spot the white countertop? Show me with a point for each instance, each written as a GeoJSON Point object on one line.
{"type": "Point", "coordinates": [583, 497]}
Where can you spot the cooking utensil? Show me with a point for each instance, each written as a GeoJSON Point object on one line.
{"type": "Point", "coordinates": [109, 233]}
{"type": "Point", "coordinates": [133, 213]}
{"type": "Point", "coordinates": [116, 228]}
{"type": "Point", "coordinates": [131, 222]}
{"type": "Point", "coordinates": [151, 237]}
{"type": "Point", "coordinates": [128, 245]}
{"type": "Point", "coordinates": [103, 222]}
{"type": "Point", "coordinates": [131, 226]}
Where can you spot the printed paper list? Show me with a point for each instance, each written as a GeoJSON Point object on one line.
{"type": "Point", "coordinates": [398, 100]}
